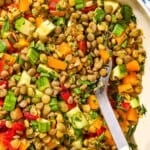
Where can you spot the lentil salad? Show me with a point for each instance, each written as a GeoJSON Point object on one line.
{"type": "Point", "coordinates": [52, 54]}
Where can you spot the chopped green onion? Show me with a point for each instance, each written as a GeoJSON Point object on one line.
{"type": "Point", "coordinates": [43, 126]}
{"type": "Point", "coordinates": [42, 83]}
{"type": "Point", "coordinates": [118, 29]}
{"type": "Point", "coordinates": [33, 55]}
{"type": "Point", "coordinates": [99, 14]}
{"type": "Point", "coordinates": [3, 46]}
{"type": "Point", "coordinates": [60, 21]}
{"type": "Point", "coordinates": [10, 101]}
{"type": "Point", "coordinates": [5, 27]}
{"type": "Point", "coordinates": [54, 104]}
{"type": "Point", "coordinates": [79, 4]}
{"type": "Point", "coordinates": [93, 114]}
{"type": "Point", "coordinates": [77, 90]}
{"type": "Point", "coordinates": [34, 125]}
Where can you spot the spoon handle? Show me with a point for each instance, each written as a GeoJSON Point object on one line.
{"type": "Point", "coordinates": [111, 120]}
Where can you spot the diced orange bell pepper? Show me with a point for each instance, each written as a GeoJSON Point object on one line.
{"type": "Point", "coordinates": [104, 55]}
{"type": "Point", "coordinates": [130, 79]}
{"type": "Point", "coordinates": [132, 115]}
{"type": "Point", "coordinates": [127, 88]}
{"type": "Point", "coordinates": [64, 49]}
{"type": "Point", "coordinates": [56, 63]}
{"type": "Point", "coordinates": [92, 101]}
{"type": "Point", "coordinates": [24, 5]}
{"type": "Point", "coordinates": [133, 66]}
{"type": "Point", "coordinates": [9, 59]}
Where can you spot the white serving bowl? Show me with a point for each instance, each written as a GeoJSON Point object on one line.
{"type": "Point", "coordinates": [142, 134]}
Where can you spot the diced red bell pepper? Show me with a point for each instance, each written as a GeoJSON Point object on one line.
{"type": "Point", "coordinates": [65, 94]}
{"type": "Point", "coordinates": [52, 5]}
{"type": "Point", "coordinates": [3, 127]}
{"type": "Point", "coordinates": [18, 126]}
{"type": "Point", "coordinates": [29, 116]}
{"type": "Point", "coordinates": [2, 64]}
{"type": "Point", "coordinates": [82, 45]}
{"type": "Point", "coordinates": [112, 102]}
{"type": "Point", "coordinates": [125, 105]}
{"type": "Point", "coordinates": [1, 102]}
{"type": "Point", "coordinates": [27, 16]}
{"type": "Point", "coordinates": [10, 47]}
{"type": "Point", "coordinates": [70, 106]}
{"type": "Point", "coordinates": [4, 82]}
{"type": "Point", "coordinates": [90, 8]}
{"type": "Point", "coordinates": [100, 131]}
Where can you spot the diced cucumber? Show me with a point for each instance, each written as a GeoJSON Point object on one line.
{"type": "Point", "coordinates": [10, 101]}
{"type": "Point", "coordinates": [44, 69]}
{"type": "Point", "coordinates": [77, 118]}
{"type": "Point", "coordinates": [33, 55]}
{"type": "Point", "coordinates": [119, 72]}
{"type": "Point", "coordinates": [25, 79]}
{"type": "Point", "coordinates": [134, 102]}
{"type": "Point", "coordinates": [45, 28]}
{"type": "Point", "coordinates": [112, 3]}
{"type": "Point", "coordinates": [42, 83]}
{"type": "Point", "coordinates": [24, 26]}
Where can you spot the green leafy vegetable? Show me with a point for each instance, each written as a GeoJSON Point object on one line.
{"type": "Point", "coordinates": [126, 12]}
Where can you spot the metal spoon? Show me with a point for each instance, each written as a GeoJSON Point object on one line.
{"type": "Point", "coordinates": [107, 111]}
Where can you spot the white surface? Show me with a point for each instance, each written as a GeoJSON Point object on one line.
{"type": "Point", "coordinates": [142, 134]}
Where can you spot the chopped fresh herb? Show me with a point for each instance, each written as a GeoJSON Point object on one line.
{"type": "Point", "coordinates": [126, 12]}
{"type": "Point", "coordinates": [142, 110]}
{"type": "Point", "coordinates": [131, 130]}
{"type": "Point", "coordinates": [133, 18]}
{"type": "Point", "coordinates": [31, 147]}
{"type": "Point", "coordinates": [133, 146]}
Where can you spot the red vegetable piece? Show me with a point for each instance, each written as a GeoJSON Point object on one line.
{"type": "Point", "coordinates": [4, 83]}
{"type": "Point", "coordinates": [53, 4]}
{"type": "Point", "coordinates": [29, 116]}
{"type": "Point", "coordinates": [10, 47]}
{"type": "Point", "coordinates": [90, 8]}
{"type": "Point", "coordinates": [100, 131]}
{"type": "Point", "coordinates": [70, 106]}
{"type": "Point", "coordinates": [3, 127]}
{"type": "Point", "coordinates": [2, 64]}
{"type": "Point", "coordinates": [1, 103]}
{"type": "Point", "coordinates": [65, 94]}
{"type": "Point", "coordinates": [18, 126]}
{"type": "Point", "coordinates": [125, 105]}
{"type": "Point", "coordinates": [113, 103]}
{"type": "Point", "coordinates": [82, 45]}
